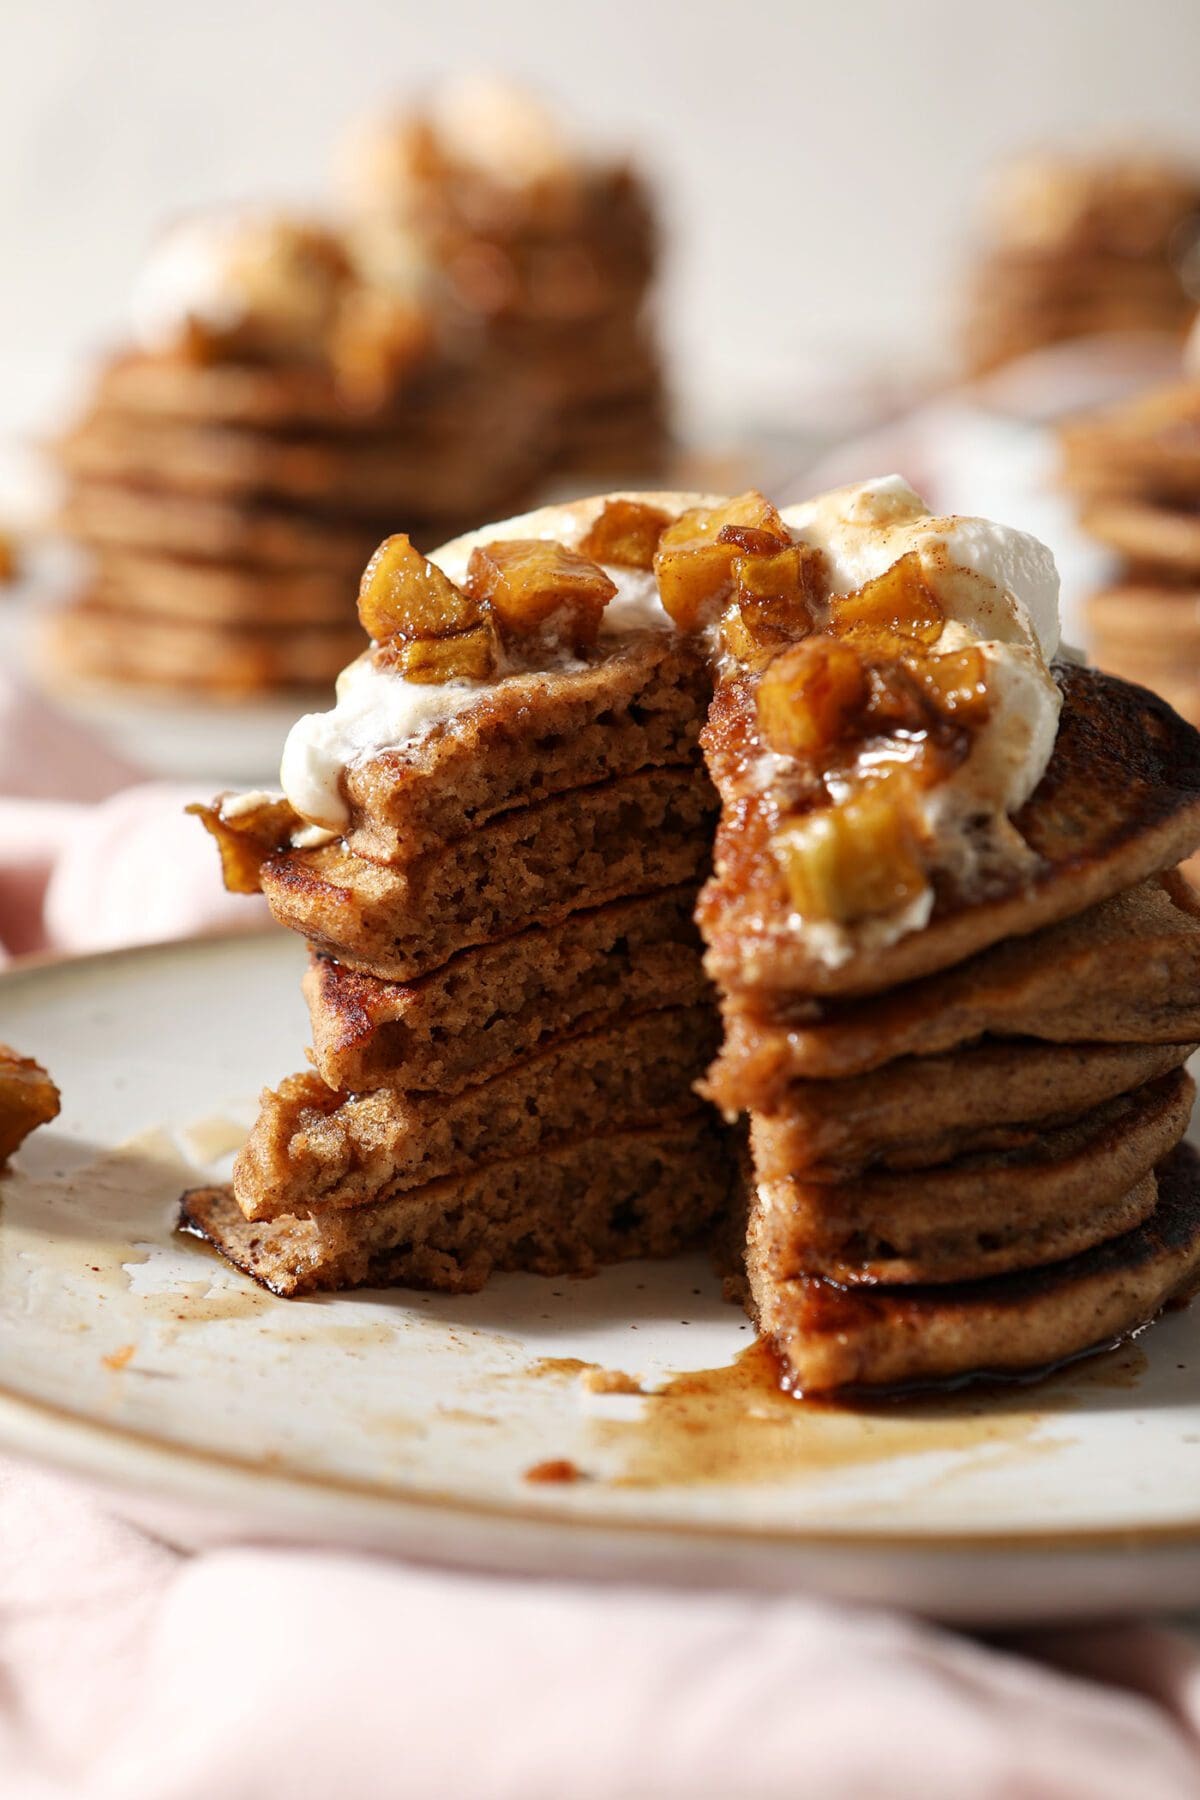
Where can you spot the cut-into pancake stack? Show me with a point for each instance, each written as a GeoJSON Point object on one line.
{"type": "Point", "coordinates": [957, 976]}
{"type": "Point", "coordinates": [509, 1011]}
{"type": "Point", "coordinates": [1077, 247]}
{"type": "Point", "coordinates": [1135, 472]}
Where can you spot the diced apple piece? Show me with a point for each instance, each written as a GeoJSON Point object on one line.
{"type": "Point", "coordinates": [246, 839]}
{"type": "Point", "coordinates": [403, 594]}
{"type": "Point", "coordinates": [692, 581]}
{"type": "Point", "coordinates": [896, 699]}
{"type": "Point", "coordinates": [770, 608]}
{"type": "Point", "coordinates": [531, 582]}
{"type": "Point", "coordinates": [696, 553]}
{"type": "Point", "coordinates": [955, 683]}
{"type": "Point", "coordinates": [28, 1098]}
{"type": "Point", "coordinates": [899, 604]}
{"type": "Point", "coordinates": [791, 573]}
{"type": "Point", "coordinates": [850, 862]}
{"type": "Point", "coordinates": [625, 533]}
{"type": "Point", "coordinates": [472, 655]}
{"type": "Point", "coordinates": [809, 696]}
{"type": "Point", "coordinates": [698, 549]}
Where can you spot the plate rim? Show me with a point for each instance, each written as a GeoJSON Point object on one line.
{"type": "Point", "coordinates": [68, 1428]}
{"type": "Point", "coordinates": [91, 1446]}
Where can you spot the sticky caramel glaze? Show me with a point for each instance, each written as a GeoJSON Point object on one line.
{"type": "Point", "coordinates": [737, 1425]}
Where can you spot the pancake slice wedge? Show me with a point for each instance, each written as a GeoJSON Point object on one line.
{"type": "Point", "coordinates": [313, 1150]}
{"type": "Point", "coordinates": [564, 1211]}
{"type": "Point", "coordinates": [489, 1006]}
{"type": "Point", "coordinates": [528, 867]}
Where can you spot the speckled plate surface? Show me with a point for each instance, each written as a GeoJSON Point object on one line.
{"type": "Point", "coordinates": [409, 1422]}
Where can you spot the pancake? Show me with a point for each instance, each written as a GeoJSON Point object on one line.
{"type": "Point", "coordinates": [1119, 800]}
{"type": "Point", "coordinates": [564, 1211]}
{"type": "Point", "coordinates": [639, 707]}
{"type": "Point", "coordinates": [1145, 621]}
{"type": "Point", "coordinates": [831, 1337]}
{"type": "Point", "coordinates": [159, 520]}
{"type": "Point", "coordinates": [488, 1007]}
{"type": "Point", "coordinates": [260, 394]}
{"type": "Point", "coordinates": [314, 1150]}
{"type": "Point", "coordinates": [1148, 444]}
{"type": "Point", "coordinates": [921, 1110]}
{"type": "Point", "coordinates": [355, 476]}
{"type": "Point", "coordinates": [1146, 532]}
{"type": "Point", "coordinates": [92, 641]}
{"type": "Point", "coordinates": [982, 1214]}
{"type": "Point", "coordinates": [528, 867]}
{"type": "Point", "coordinates": [189, 589]}
{"type": "Point", "coordinates": [1124, 972]}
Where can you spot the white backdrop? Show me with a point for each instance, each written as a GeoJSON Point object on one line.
{"type": "Point", "coordinates": [820, 161]}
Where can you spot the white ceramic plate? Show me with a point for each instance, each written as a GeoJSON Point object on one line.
{"type": "Point", "coordinates": [409, 1422]}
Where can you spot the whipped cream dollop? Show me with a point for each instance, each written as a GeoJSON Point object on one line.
{"type": "Point", "coordinates": [491, 124]}
{"type": "Point", "coordinates": [998, 589]}
{"type": "Point", "coordinates": [221, 269]}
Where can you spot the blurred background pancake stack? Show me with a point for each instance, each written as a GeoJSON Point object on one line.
{"type": "Point", "coordinates": [1078, 247]}
{"type": "Point", "coordinates": [473, 332]}
{"type": "Point", "coordinates": [537, 255]}
{"type": "Point", "coordinates": [232, 472]}
{"type": "Point", "coordinates": [1134, 470]}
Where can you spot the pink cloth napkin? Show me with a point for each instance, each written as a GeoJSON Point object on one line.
{"type": "Point", "coordinates": [128, 1670]}
{"type": "Point", "coordinates": [118, 862]}
{"type": "Point", "coordinates": [131, 1671]}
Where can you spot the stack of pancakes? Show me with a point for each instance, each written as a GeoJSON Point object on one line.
{"type": "Point", "coordinates": [960, 1144]}
{"type": "Point", "coordinates": [229, 486]}
{"type": "Point", "coordinates": [540, 257]}
{"type": "Point", "coordinates": [962, 1148]}
{"type": "Point", "coordinates": [1080, 247]}
{"type": "Point", "coordinates": [1135, 470]}
{"type": "Point", "coordinates": [509, 1010]}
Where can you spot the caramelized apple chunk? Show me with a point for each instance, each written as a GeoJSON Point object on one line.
{"type": "Point", "coordinates": [897, 605]}
{"type": "Point", "coordinates": [246, 837]}
{"type": "Point", "coordinates": [472, 655]}
{"type": "Point", "coordinates": [696, 553]}
{"type": "Point", "coordinates": [809, 695]}
{"type": "Point", "coordinates": [692, 579]}
{"type": "Point", "coordinates": [853, 861]}
{"type": "Point", "coordinates": [625, 534]}
{"type": "Point", "coordinates": [955, 683]}
{"type": "Point", "coordinates": [28, 1098]}
{"type": "Point", "coordinates": [534, 584]}
{"type": "Point", "coordinates": [403, 594]}
{"type": "Point", "coordinates": [772, 603]}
